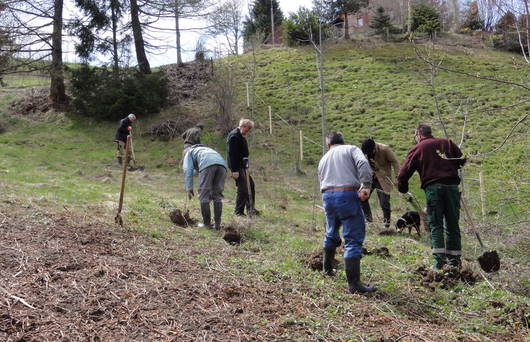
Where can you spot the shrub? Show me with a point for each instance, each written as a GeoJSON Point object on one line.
{"type": "Point", "coordinates": [472, 20]}
{"type": "Point", "coordinates": [382, 24]}
{"type": "Point", "coordinates": [303, 26]}
{"type": "Point", "coordinates": [426, 19]}
{"type": "Point", "coordinates": [103, 94]}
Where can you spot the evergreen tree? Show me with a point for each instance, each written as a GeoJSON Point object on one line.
{"type": "Point", "coordinates": [381, 23]}
{"type": "Point", "coordinates": [425, 19]}
{"type": "Point", "coordinates": [259, 19]}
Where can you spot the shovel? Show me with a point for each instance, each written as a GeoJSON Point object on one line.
{"type": "Point", "coordinates": [133, 159]}
{"type": "Point", "coordinates": [118, 219]}
{"type": "Point", "coordinates": [489, 261]}
{"type": "Point", "coordinates": [251, 205]}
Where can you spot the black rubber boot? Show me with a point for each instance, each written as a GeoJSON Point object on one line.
{"type": "Point", "coordinates": [353, 274]}
{"type": "Point", "coordinates": [329, 256]}
{"type": "Point", "coordinates": [206, 215]}
{"type": "Point", "coordinates": [217, 212]}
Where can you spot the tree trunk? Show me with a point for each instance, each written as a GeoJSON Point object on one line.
{"type": "Point", "coordinates": [346, 32]}
{"type": "Point", "coordinates": [177, 32]}
{"type": "Point", "coordinates": [57, 91]}
{"type": "Point", "coordinates": [114, 36]}
{"type": "Point", "coordinates": [527, 27]}
{"type": "Point", "coordinates": [143, 63]}
{"type": "Point", "coordinates": [409, 18]}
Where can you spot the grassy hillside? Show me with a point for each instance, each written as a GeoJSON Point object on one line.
{"type": "Point", "coordinates": [64, 164]}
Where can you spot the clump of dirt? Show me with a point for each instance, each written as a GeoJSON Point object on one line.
{"type": "Point", "coordinates": [181, 218]}
{"type": "Point", "coordinates": [382, 251]}
{"type": "Point", "coordinates": [314, 261]}
{"type": "Point", "coordinates": [186, 81]}
{"type": "Point", "coordinates": [169, 129]}
{"type": "Point", "coordinates": [388, 232]}
{"type": "Point", "coordinates": [446, 278]}
{"type": "Point", "coordinates": [35, 101]}
{"type": "Point", "coordinates": [231, 235]}
{"type": "Point", "coordinates": [490, 261]}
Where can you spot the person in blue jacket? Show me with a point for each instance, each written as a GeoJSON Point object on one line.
{"type": "Point", "coordinates": [211, 168]}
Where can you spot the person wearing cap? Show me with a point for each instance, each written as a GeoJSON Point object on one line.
{"type": "Point", "coordinates": [192, 136]}
{"type": "Point", "coordinates": [212, 174]}
{"type": "Point", "coordinates": [238, 163]}
{"type": "Point", "coordinates": [438, 161]}
{"type": "Point", "coordinates": [345, 180]}
{"type": "Point", "coordinates": [382, 160]}
{"type": "Point", "coordinates": [123, 131]}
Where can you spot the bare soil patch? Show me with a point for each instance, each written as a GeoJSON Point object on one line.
{"type": "Point", "coordinates": [446, 278]}
{"type": "Point", "coordinates": [67, 277]}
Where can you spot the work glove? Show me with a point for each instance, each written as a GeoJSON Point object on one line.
{"type": "Point", "coordinates": [245, 163]}
{"type": "Point", "coordinates": [190, 194]}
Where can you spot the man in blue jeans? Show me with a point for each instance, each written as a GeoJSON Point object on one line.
{"type": "Point", "coordinates": [345, 180]}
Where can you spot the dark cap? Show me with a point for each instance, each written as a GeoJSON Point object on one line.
{"type": "Point", "coordinates": [200, 125]}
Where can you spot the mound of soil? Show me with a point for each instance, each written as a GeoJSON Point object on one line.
{"type": "Point", "coordinates": [381, 251]}
{"type": "Point", "coordinates": [35, 101]}
{"type": "Point", "coordinates": [446, 278]}
{"type": "Point", "coordinates": [388, 232]}
{"type": "Point", "coordinates": [231, 235]}
{"type": "Point", "coordinates": [490, 261]}
{"type": "Point", "coordinates": [314, 261]}
{"type": "Point", "coordinates": [187, 81]}
{"type": "Point", "coordinates": [181, 218]}
{"type": "Point", "coordinates": [169, 129]}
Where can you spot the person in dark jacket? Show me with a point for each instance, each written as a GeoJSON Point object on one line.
{"type": "Point", "coordinates": [238, 163]}
{"type": "Point", "coordinates": [437, 161]}
{"type": "Point", "coordinates": [123, 131]}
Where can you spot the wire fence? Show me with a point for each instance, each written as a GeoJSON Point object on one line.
{"type": "Point", "coordinates": [491, 212]}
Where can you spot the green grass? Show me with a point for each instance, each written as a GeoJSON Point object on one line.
{"type": "Point", "coordinates": [68, 162]}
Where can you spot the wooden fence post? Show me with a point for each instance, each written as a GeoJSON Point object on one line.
{"type": "Point", "coordinates": [301, 145]}
{"type": "Point", "coordinates": [482, 193]}
{"type": "Point", "coordinates": [248, 95]}
{"type": "Point", "coordinates": [270, 120]}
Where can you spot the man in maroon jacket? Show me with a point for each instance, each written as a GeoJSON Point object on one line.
{"type": "Point", "coordinates": [437, 161]}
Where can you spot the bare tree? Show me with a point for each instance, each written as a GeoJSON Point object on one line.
{"type": "Point", "coordinates": [521, 10]}
{"type": "Point", "coordinates": [223, 88]}
{"type": "Point", "coordinates": [157, 11]}
{"type": "Point", "coordinates": [38, 28]}
{"type": "Point", "coordinates": [226, 20]}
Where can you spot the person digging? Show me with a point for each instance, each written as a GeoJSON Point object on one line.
{"type": "Point", "coordinates": [211, 168]}
{"type": "Point", "coordinates": [382, 160]}
{"type": "Point", "coordinates": [437, 161]}
{"type": "Point", "coordinates": [345, 180]}
{"type": "Point", "coordinates": [122, 132]}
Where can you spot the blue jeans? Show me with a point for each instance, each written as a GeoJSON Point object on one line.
{"type": "Point", "coordinates": [344, 208]}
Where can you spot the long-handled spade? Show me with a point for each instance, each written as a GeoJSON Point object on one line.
{"type": "Point", "coordinates": [133, 159]}
{"type": "Point", "coordinates": [118, 219]}
{"type": "Point", "coordinates": [488, 261]}
{"type": "Point", "coordinates": [249, 189]}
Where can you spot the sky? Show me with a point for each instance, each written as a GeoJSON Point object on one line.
{"type": "Point", "coordinates": [188, 39]}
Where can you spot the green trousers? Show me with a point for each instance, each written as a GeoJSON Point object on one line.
{"type": "Point", "coordinates": [443, 204]}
